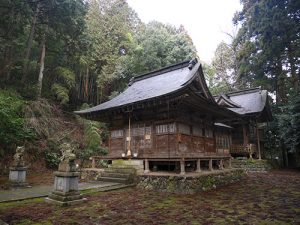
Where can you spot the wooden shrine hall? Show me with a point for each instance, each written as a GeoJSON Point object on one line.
{"type": "Point", "coordinates": [168, 119]}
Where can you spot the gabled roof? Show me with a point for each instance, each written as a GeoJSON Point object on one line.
{"type": "Point", "coordinates": [162, 82]}
{"type": "Point", "coordinates": [246, 102]}
{"type": "Point", "coordinates": [224, 100]}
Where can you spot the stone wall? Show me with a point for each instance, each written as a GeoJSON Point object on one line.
{"type": "Point", "coordinates": [189, 185]}
{"type": "Point", "coordinates": [251, 165]}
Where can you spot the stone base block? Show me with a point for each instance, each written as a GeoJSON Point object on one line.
{"type": "Point", "coordinates": [19, 184]}
{"type": "Point", "coordinates": [66, 181]}
{"type": "Point", "coordinates": [63, 198]}
{"type": "Point", "coordinates": [66, 203]}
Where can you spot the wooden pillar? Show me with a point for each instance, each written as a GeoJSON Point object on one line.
{"type": "Point", "coordinates": [198, 166]}
{"type": "Point", "coordinates": [93, 162]}
{"type": "Point", "coordinates": [210, 165]}
{"type": "Point", "coordinates": [146, 166]}
{"type": "Point", "coordinates": [182, 167]}
{"type": "Point", "coordinates": [258, 142]}
{"type": "Point", "coordinates": [245, 135]}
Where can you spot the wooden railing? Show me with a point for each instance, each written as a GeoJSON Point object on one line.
{"type": "Point", "coordinates": [249, 149]}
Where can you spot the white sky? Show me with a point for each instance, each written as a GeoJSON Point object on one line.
{"type": "Point", "coordinates": [205, 20]}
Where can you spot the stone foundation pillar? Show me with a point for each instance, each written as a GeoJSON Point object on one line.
{"type": "Point", "coordinates": [17, 176]}
{"type": "Point", "coordinates": [182, 167]}
{"type": "Point", "coordinates": [221, 164]}
{"type": "Point", "coordinates": [146, 166]}
{"type": "Point", "coordinates": [210, 165]}
{"type": "Point", "coordinates": [229, 163]}
{"type": "Point", "coordinates": [198, 166]}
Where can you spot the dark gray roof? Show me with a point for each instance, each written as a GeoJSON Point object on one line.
{"type": "Point", "coordinates": [249, 101]}
{"type": "Point", "coordinates": [151, 85]}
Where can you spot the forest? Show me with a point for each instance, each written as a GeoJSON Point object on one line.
{"type": "Point", "coordinates": [57, 56]}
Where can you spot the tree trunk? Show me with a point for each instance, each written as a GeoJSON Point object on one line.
{"type": "Point", "coordinates": [280, 84]}
{"type": "Point", "coordinates": [295, 78]}
{"type": "Point", "coordinates": [42, 66]}
{"type": "Point", "coordinates": [29, 43]}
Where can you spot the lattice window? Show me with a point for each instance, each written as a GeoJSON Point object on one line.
{"type": "Point", "coordinates": [165, 128]}
{"type": "Point", "coordinates": [117, 134]}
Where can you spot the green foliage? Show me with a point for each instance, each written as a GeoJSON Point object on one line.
{"type": "Point", "coordinates": [52, 159]}
{"type": "Point", "coordinates": [12, 124]}
{"type": "Point", "coordinates": [289, 124]}
{"type": "Point", "coordinates": [61, 93]}
{"type": "Point", "coordinates": [156, 45]}
{"type": "Point", "coordinates": [268, 45]}
{"type": "Point", "coordinates": [94, 133]}
{"type": "Point", "coordinates": [65, 81]}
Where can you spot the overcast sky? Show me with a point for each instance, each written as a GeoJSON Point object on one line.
{"type": "Point", "coordinates": [205, 20]}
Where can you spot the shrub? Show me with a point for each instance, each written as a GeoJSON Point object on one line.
{"type": "Point", "coordinates": [12, 123]}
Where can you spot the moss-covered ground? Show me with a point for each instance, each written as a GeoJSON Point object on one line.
{"type": "Point", "coordinates": [261, 198]}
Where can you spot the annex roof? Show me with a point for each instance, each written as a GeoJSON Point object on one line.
{"type": "Point", "coordinates": [245, 102]}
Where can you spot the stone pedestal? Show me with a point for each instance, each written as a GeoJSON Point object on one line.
{"type": "Point", "coordinates": [65, 189]}
{"type": "Point", "coordinates": [65, 186]}
{"type": "Point", "coordinates": [17, 176]}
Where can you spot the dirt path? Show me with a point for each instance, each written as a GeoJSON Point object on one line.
{"type": "Point", "coordinates": [261, 198]}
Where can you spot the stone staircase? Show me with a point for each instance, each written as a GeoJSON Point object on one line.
{"type": "Point", "coordinates": [122, 175]}
{"type": "Point", "coordinates": [251, 165]}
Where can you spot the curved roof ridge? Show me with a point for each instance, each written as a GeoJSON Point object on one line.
{"type": "Point", "coordinates": [243, 91]}
{"type": "Point", "coordinates": [162, 70]}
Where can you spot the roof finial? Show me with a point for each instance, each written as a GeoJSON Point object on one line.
{"type": "Point", "coordinates": [192, 63]}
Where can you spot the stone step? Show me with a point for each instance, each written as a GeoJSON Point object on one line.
{"type": "Point", "coordinates": [124, 170]}
{"type": "Point", "coordinates": [117, 175]}
{"type": "Point", "coordinates": [114, 180]}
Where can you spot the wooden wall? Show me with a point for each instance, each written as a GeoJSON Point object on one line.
{"type": "Point", "coordinates": [166, 139]}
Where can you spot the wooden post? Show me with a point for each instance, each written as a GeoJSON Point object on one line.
{"type": "Point", "coordinates": [258, 142]}
{"type": "Point", "coordinates": [146, 166]}
{"type": "Point", "coordinates": [129, 140]}
{"type": "Point", "coordinates": [198, 166]}
{"type": "Point", "coordinates": [93, 162]}
{"type": "Point", "coordinates": [182, 167]}
{"type": "Point", "coordinates": [210, 165]}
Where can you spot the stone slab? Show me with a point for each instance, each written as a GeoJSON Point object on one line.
{"type": "Point", "coordinates": [15, 194]}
